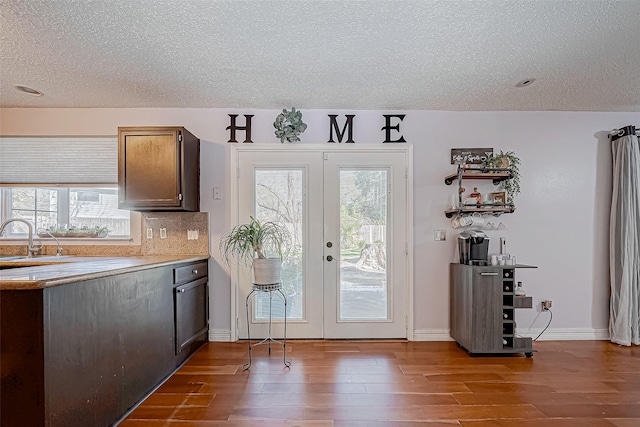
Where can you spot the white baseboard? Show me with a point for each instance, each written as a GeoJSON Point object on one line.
{"type": "Point", "coordinates": [567, 334]}
{"type": "Point", "coordinates": [432, 335]}
{"type": "Point", "coordinates": [220, 335]}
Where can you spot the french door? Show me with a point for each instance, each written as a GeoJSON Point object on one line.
{"type": "Point", "coordinates": [347, 272]}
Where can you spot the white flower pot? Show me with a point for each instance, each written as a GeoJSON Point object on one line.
{"type": "Point", "coordinates": [266, 271]}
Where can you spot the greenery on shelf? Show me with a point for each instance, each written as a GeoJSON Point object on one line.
{"type": "Point", "coordinates": [511, 161]}
{"type": "Point", "coordinates": [289, 125]}
{"type": "Point", "coordinates": [245, 242]}
{"type": "Point", "coordinates": [74, 232]}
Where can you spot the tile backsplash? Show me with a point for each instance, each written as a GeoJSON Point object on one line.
{"type": "Point", "coordinates": [174, 233]}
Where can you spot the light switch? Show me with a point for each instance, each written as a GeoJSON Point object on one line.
{"type": "Point", "coordinates": [163, 233]}
{"type": "Point", "coordinates": [149, 233]}
{"type": "Point", "coordinates": [439, 235]}
{"type": "Point", "coordinates": [193, 234]}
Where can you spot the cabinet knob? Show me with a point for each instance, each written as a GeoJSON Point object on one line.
{"type": "Point", "coordinates": [329, 258]}
{"type": "Point", "coordinates": [194, 271]}
{"type": "Point", "coordinates": [181, 291]}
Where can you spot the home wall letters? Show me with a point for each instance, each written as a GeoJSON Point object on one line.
{"type": "Point", "coordinates": [339, 135]}
{"type": "Point", "coordinates": [233, 127]}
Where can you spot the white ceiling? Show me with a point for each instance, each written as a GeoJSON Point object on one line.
{"type": "Point", "coordinates": [314, 54]}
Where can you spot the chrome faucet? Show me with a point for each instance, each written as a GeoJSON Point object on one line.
{"type": "Point", "coordinates": [59, 248]}
{"type": "Point", "coordinates": [31, 250]}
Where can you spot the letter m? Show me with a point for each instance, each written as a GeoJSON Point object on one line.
{"type": "Point", "coordinates": [333, 126]}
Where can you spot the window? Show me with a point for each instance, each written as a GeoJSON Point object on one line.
{"type": "Point", "coordinates": [65, 209]}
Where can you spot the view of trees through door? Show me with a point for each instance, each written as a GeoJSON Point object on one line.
{"type": "Point", "coordinates": [363, 254]}
{"type": "Point", "coordinates": [279, 197]}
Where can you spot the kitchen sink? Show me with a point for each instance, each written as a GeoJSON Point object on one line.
{"type": "Point", "coordinates": [16, 261]}
{"type": "Point", "coordinates": [10, 257]}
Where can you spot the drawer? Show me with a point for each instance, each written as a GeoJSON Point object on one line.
{"type": "Point", "coordinates": [189, 272]}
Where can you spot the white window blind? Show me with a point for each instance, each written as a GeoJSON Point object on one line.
{"type": "Point", "coordinates": [59, 160]}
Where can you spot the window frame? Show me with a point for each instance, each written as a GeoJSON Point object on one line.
{"type": "Point", "coordinates": [63, 217]}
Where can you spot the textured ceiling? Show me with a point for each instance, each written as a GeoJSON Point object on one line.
{"type": "Point", "coordinates": [314, 54]}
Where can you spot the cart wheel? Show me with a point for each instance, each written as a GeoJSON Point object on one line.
{"type": "Point", "coordinates": [529, 354]}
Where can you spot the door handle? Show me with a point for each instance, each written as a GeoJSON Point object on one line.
{"type": "Point", "coordinates": [329, 258]}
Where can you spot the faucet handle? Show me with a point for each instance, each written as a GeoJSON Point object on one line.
{"type": "Point", "coordinates": [34, 250]}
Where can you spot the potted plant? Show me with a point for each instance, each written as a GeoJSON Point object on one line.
{"type": "Point", "coordinates": [289, 125]}
{"type": "Point", "coordinates": [260, 245]}
{"type": "Point", "coordinates": [511, 161]}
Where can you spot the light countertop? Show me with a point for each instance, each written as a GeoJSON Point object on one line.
{"type": "Point", "coordinates": [55, 271]}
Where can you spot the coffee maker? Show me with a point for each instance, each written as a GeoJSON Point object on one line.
{"type": "Point", "coordinates": [474, 247]}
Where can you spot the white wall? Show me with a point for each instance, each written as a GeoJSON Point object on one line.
{"type": "Point", "coordinates": [560, 225]}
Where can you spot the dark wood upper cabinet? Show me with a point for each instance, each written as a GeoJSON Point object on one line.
{"type": "Point", "coordinates": [158, 169]}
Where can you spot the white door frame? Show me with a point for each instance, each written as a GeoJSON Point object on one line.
{"type": "Point", "coordinates": [320, 148]}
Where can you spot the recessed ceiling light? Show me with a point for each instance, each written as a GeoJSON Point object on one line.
{"type": "Point", "coordinates": [525, 82]}
{"type": "Point", "coordinates": [28, 90]}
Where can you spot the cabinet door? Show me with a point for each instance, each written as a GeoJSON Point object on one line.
{"type": "Point", "coordinates": [487, 310]}
{"type": "Point", "coordinates": [191, 312]}
{"type": "Point", "coordinates": [149, 172]}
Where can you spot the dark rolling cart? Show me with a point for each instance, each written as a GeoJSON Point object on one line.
{"type": "Point", "coordinates": [482, 305]}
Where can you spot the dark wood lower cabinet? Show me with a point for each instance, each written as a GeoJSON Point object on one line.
{"type": "Point", "coordinates": [85, 353]}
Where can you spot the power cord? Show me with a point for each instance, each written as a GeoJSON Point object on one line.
{"type": "Point", "coordinates": [545, 328]}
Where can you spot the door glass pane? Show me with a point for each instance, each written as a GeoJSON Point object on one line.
{"type": "Point", "coordinates": [363, 244]}
{"type": "Point", "coordinates": [279, 198]}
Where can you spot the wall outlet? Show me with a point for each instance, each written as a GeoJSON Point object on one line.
{"type": "Point", "coordinates": [163, 233]}
{"type": "Point", "coordinates": [217, 193]}
{"type": "Point", "coordinates": [439, 235]}
{"type": "Point", "coordinates": [546, 305]}
{"type": "Point", "coordinates": [149, 233]}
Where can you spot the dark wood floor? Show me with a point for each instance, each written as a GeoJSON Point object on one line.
{"type": "Point", "coordinates": [353, 383]}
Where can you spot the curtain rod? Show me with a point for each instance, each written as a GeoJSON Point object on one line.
{"type": "Point", "coordinates": [627, 130]}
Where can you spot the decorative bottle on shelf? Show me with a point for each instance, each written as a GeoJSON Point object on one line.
{"type": "Point", "coordinates": [519, 291]}
{"type": "Point", "coordinates": [476, 195]}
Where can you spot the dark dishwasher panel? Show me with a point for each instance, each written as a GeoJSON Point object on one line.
{"type": "Point", "coordinates": [191, 308]}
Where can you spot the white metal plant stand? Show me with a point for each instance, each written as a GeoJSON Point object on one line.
{"type": "Point", "coordinates": [271, 289]}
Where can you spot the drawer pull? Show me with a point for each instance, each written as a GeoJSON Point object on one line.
{"type": "Point", "coordinates": [194, 271]}
{"type": "Point", "coordinates": [488, 274]}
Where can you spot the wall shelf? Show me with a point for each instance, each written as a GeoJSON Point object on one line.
{"type": "Point", "coordinates": [483, 209]}
{"type": "Point", "coordinates": [497, 175]}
